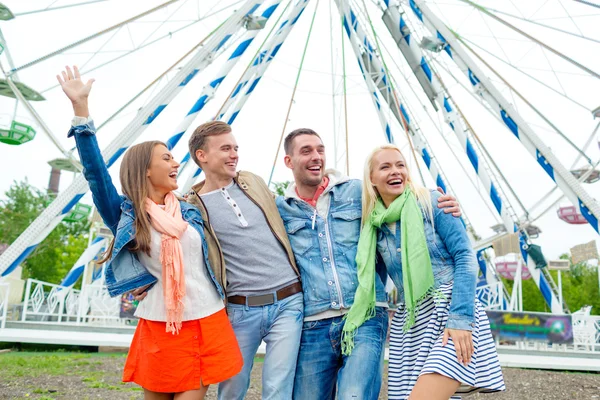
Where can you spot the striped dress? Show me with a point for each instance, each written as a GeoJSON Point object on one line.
{"type": "Point", "coordinates": [419, 351]}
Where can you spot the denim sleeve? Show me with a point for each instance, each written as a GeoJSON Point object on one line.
{"type": "Point", "coordinates": [105, 195]}
{"type": "Point", "coordinates": [454, 236]}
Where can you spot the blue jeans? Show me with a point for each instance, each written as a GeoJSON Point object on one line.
{"type": "Point", "coordinates": [321, 365]}
{"type": "Point", "coordinates": [280, 326]}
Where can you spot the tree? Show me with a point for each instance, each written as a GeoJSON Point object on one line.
{"type": "Point", "coordinates": [53, 258]}
{"type": "Point", "coordinates": [280, 187]}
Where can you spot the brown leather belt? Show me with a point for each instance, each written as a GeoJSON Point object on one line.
{"type": "Point", "coordinates": [266, 299]}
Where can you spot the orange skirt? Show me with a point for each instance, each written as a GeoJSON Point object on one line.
{"type": "Point", "coordinates": [205, 351]}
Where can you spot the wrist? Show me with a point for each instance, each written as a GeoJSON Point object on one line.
{"type": "Point", "coordinates": [80, 108]}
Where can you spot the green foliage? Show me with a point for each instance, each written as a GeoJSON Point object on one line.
{"type": "Point", "coordinates": [579, 288]}
{"type": "Point", "coordinates": [280, 187]}
{"type": "Point", "coordinates": [55, 256]}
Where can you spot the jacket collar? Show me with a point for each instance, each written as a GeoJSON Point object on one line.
{"type": "Point", "coordinates": [335, 178]}
{"type": "Point", "coordinates": [127, 207]}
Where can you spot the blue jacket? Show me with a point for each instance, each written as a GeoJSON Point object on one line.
{"type": "Point", "coordinates": [124, 271]}
{"type": "Point", "coordinates": [452, 259]}
{"type": "Point", "coordinates": [326, 251]}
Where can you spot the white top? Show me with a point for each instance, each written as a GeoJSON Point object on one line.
{"type": "Point", "coordinates": [201, 296]}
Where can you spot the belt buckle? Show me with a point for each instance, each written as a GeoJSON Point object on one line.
{"type": "Point", "coordinates": [262, 300]}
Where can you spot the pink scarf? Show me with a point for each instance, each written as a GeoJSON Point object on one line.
{"type": "Point", "coordinates": [170, 224]}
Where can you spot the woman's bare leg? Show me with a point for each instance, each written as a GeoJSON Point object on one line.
{"type": "Point", "coordinates": [192, 394]}
{"type": "Point", "coordinates": [433, 387]}
{"type": "Point", "coordinates": [150, 395]}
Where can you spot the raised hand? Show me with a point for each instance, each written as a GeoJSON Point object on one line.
{"type": "Point", "coordinates": [76, 90]}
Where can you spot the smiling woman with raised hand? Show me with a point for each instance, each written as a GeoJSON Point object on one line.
{"type": "Point", "coordinates": [183, 341]}
{"type": "Point", "coordinates": [441, 344]}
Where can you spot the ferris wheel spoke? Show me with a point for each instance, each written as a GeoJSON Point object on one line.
{"type": "Point", "coordinates": [49, 8]}
{"type": "Point", "coordinates": [88, 38]}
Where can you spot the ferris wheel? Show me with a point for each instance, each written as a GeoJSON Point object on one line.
{"type": "Point", "coordinates": [496, 104]}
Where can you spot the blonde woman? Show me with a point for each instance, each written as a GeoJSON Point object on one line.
{"type": "Point", "coordinates": [441, 345]}
{"type": "Point", "coordinates": [183, 341]}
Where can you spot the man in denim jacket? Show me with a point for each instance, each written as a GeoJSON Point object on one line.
{"type": "Point", "coordinates": [321, 212]}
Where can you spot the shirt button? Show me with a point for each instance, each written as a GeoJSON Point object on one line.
{"type": "Point", "coordinates": [239, 215]}
{"type": "Point", "coordinates": [235, 205]}
{"type": "Point", "coordinates": [333, 303]}
{"type": "Point", "coordinates": [324, 259]}
{"type": "Point", "coordinates": [330, 283]}
{"type": "Point", "coordinates": [223, 189]}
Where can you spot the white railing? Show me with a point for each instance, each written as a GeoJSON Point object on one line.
{"type": "Point", "coordinates": [490, 296]}
{"type": "Point", "coordinates": [586, 332]}
{"type": "Point", "coordinates": [47, 302]}
{"type": "Point", "coordinates": [54, 304]}
{"type": "Point", "coordinates": [4, 291]}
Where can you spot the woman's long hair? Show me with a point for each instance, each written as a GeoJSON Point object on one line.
{"type": "Point", "coordinates": [370, 194]}
{"type": "Point", "coordinates": [134, 184]}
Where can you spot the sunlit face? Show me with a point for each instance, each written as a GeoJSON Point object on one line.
{"type": "Point", "coordinates": [162, 173]}
{"type": "Point", "coordinates": [389, 174]}
{"type": "Point", "coordinates": [220, 156]}
{"type": "Point", "coordinates": [307, 160]}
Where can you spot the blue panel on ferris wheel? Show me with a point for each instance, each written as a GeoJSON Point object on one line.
{"type": "Point", "coordinates": [545, 289]}
{"type": "Point", "coordinates": [225, 39]}
{"type": "Point", "coordinates": [451, 125]}
{"type": "Point", "coordinates": [19, 259]}
{"type": "Point", "coordinates": [353, 18]}
{"type": "Point", "coordinates": [472, 156]}
{"type": "Point", "coordinates": [72, 203]}
{"type": "Point", "coordinates": [186, 158]}
{"type": "Point", "coordinates": [346, 27]}
{"type": "Point", "coordinates": [188, 78]}
{"type": "Point", "coordinates": [588, 215]}
{"type": "Point", "coordinates": [405, 114]}
{"type": "Point", "coordinates": [496, 198]}
{"type": "Point", "coordinates": [198, 105]}
{"type": "Point", "coordinates": [296, 19]}
{"type": "Point", "coordinates": [198, 172]}
{"type": "Point", "coordinates": [216, 82]}
{"type": "Point", "coordinates": [253, 85]}
{"type": "Point", "coordinates": [155, 114]}
{"type": "Point", "coordinates": [512, 125]}
{"type": "Point", "coordinates": [254, 7]}
{"type": "Point", "coordinates": [275, 50]}
{"type": "Point", "coordinates": [481, 262]}
{"type": "Point", "coordinates": [447, 46]}
{"type": "Point", "coordinates": [388, 133]}
{"type": "Point", "coordinates": [269, 11]}
{"type": "Point", "coordinates": [237, 89]}
{"type": "Point", "coordinates": [426, 157]}
{"type": "Point", "coordinates": [416, 10]}
{"type": "Point", "coordinates": [173, 140]}
{"type": "Point", "coordinates": [545, 164]}
{"type": "Point", "coordinates": [474, 80]}
{"type": "Point", "coordinates": [72, 276]}
{"type": "Point", "coordinates": [284, 23]}
{"type": "Point", "coordinates": [440, 183]}
{"type": "Point", "coordinates": [426, 68]}
{"type": "Point", "coordinates": [447, 105]}
{"type": "Point", "coordinates": [233, 117]}
{"type": "Point", "coordinates": [241, 48]}
{"type": "Point", "coordinates": [115, 157]}
{"type": "Point", "coordinates": [402, 25]}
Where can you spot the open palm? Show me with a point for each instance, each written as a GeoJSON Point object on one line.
{"type": "Point", "coordinates": [73, 86]}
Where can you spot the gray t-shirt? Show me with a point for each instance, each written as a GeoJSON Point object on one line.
{"type": "Point", "coordinates": [256, 261]}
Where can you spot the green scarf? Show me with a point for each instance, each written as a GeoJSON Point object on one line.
{"type": "Point", "coordinates": [417, 274]}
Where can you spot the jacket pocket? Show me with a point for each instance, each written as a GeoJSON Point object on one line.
{"type": "Point", "coordinates": [300, 235]}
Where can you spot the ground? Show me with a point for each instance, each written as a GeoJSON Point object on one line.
{"type": "Point", "coordinates": [61, 375]}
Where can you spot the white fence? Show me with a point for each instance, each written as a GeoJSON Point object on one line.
{"type": "Point", "coordinates": [490, 296]}
{"type": "Point", "coordinates": [4, 291]}
{"type": "Point", "coordinates": [54, 304]}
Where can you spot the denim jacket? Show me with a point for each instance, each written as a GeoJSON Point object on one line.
{"type": "Point", "coordinates": [452, 259]}
{"type": "Point", "coordinates": [324, 240]}
{"type": "Point", "coordinates": [124, 271]}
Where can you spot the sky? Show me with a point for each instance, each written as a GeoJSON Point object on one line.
{"type": "Point", "coordinates": [320, 101]}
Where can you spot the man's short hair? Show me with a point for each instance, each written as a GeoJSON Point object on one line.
{"type": "Point", "coordinates": [289, 139]}
{"type": "Point", "coordinates": [201, 134]}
